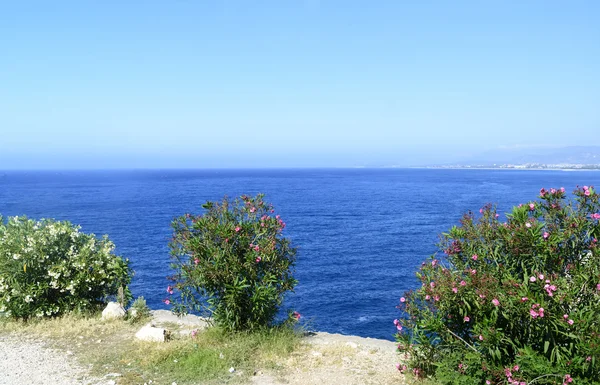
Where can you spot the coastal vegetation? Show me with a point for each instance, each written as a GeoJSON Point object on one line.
{"type": "Point", "coordinates": [232, 263]}
{"type": "Point", "coordinates": [50, 268]}
{"type": "Point", "coordinates": [513, 302]}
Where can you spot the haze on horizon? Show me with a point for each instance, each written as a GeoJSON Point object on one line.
{"type": "Point", "coordinates": [292, 84]}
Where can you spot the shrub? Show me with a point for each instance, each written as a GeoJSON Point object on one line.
{"type": "Point", "coordinates": [138, 311]}
{"type": "Point", "coordinates": [511, 302]}
{"type": "Point", "coordinates": [49, 267]}
{"type": "Point", "coordinates": [232, 263]}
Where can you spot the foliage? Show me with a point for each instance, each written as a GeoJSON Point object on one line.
{"type": "Point", "coordinates": [511, 302]}
{"type": "Point", "coordinates": [233, 262]}
{"type": "Point", "coordinates": [138, 311]}
{"type": "Point", "coordinates": [49, 267]}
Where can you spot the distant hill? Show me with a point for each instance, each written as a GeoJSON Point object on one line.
{"type": "Point", "coordinates": [572, 155]}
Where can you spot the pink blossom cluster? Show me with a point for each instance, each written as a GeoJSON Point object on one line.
{"type": "Point", "coordinates": [569, 320]}
{"type": "Point", "coordinates": [508, 372]}
{"type": "Point", "coordinates": [536, 311]}
{"type": "Point", "coordinates": [595, 216]}
{"type": "Point", "coordinates": [552, 192]}
{"type": "Point", "coordinates": [398, 325]}
{"type": "Point", "coordinates": [550, 289]}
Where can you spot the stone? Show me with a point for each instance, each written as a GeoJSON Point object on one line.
{"type": "Point", "coordinates": [151, 333]}
{"type": "Point", "coordinates": [113, 310]}
{"type": "Point", "coordinates": [132, 312]}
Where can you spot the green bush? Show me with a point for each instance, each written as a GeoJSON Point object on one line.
{"type": "Point", "coordinates": [514, 302]}
{"type": "Point", "coordinates": [138, 311]}
{"type": "Point", "coordinates": [232, 263]}
{"type": "Point", "coordinates": [48, 268]}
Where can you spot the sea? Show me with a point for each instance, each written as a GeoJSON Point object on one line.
{"type": "Point", "coordinates": [361, 234]}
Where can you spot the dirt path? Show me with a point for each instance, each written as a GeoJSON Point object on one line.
{"type": "Point", "coordinates": [30, 362]}
{"type": "Point", "coordinates": [337, 359]}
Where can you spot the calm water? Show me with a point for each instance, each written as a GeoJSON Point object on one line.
{"type": "Point", "coordinates": [361, 233]}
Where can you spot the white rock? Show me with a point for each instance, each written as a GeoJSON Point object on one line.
{"type": "Point", "coordinates": [113, 310]}
{"type": "Point", "coordinates": [353, 345]}
{"type": "Point", "coordinates": [150, 333]}
{"type": "Point", "coordinates": [231, 370]}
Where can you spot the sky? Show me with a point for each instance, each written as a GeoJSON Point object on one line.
{"type": "Point", "coordinates": [200, 84]}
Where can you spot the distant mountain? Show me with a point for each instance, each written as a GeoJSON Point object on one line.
{"type": "Point", "coordinates": [573, 155]}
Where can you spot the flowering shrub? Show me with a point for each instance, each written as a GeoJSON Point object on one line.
{"type": "Point", "coordinates": [232, 262]}
{"type": "Point", "coordinates": [48, 268]}
{"type": "Point", "coordinates": [515, 302]}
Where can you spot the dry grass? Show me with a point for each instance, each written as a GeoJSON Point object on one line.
{"type": "Point", "coordinates": [109, 347]}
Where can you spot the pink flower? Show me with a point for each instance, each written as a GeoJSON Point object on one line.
{"type": "Point", "coordinates": [546, 235]}
{"type": "Point", "coordinates": [524, 299]}
{"type": "Point", "coordinates": [434, 262]}
{"type": "Point", "coordinates": [258, 259]}
{"type": "Point", "coordinates": [436, 298]}
{"type": "Point", "coordinates": [169, 290]}
{"type": "Point", "coordinates": [196, 261]}
{"type": "Point", "coordinates": [531, 206]}
{"type": "Point", "coordinates": [194, 333]}
{"type": "Point", "coordinates": [432, 284]}
{"type": "Point", "coordinates": [562, 189]}
{"type": "Point", "coordinates": [541, 311]}
{"type": "Point", "coordinates": [595, 216]}
{"type": "Point", "coordinates": [565, 316]}
{"type": "Point", "coordinates": [527, 224]}
{"type": "Point", "coordinates": [296, 315]}
{"type": "Point", "coordinates": [402, 299]}
{"type": "Point", "coordinates": [496, 302]}
{"type": "Point", "coordinates": [568, 379]}
{"type": "Point", "coordinates": [473, 271]}
{"type": "Point", "coordinates": [256, 248]}
{"type": "Point", "coordinates": [533, 313]}
{"type": "Point", "coordinates": [570, 322]}
{"type": "Point", "coordinates": [588, 358]}
{"type": "Point", "coordinates": [396, 322]}
{"type": "Point", "coordinates": [516, 368]}
{"type": "Point", "coordinates": [541, 276]}
{"type": "Point", "coordinates": [167, 302]}
{"type": "Point", "coordinates": [466, 319]}
{"type": "Point", "coordinates": [252, 209]}
{"type": "Point", "coordinates": [598, 286]}
{"type": "Point", "coordinates": [462, 283]}
{"type": "Point", "coordinates": [487, 382]}
{"type": "Point", "coordinates": [480, 337]}
{"type": "Point", "coordinates": [237, 228]}
{"type": "Point", "coordinates": [474, 257]}
{"type": "Point", "coordinates": [455, 290]}
{"type": "Point", "coordinates": [427, 297]}
{"type": "Point", "coordinates": [532, 279]}
{"type": "Point", "coordinates": [586, 193]}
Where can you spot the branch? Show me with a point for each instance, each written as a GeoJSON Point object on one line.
{"type": "Point", "coordinates": [466, 343]}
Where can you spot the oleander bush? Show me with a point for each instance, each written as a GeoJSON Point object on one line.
{"type": "Point", "coordinates": [231, 263]}
{"type": "Point", "coordinates": [48, 268]}
{"type": "Point", "coordinates": [510, 302]}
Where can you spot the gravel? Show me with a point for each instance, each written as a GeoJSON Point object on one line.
{"type": "Point", "coordinates": [30, 362]}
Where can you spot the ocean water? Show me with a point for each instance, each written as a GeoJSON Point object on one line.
{"type": "Point", "coordinates": [361, 233]}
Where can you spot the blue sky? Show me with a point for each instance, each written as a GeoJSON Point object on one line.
{"type": "Point", "coordinates": [182, 83]}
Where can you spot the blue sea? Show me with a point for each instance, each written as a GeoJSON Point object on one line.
{"type": "Point", "coordinates": [361, 233]}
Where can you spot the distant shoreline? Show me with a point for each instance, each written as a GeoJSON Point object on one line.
{"type": "Point", "coordinates": [508, 168]}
